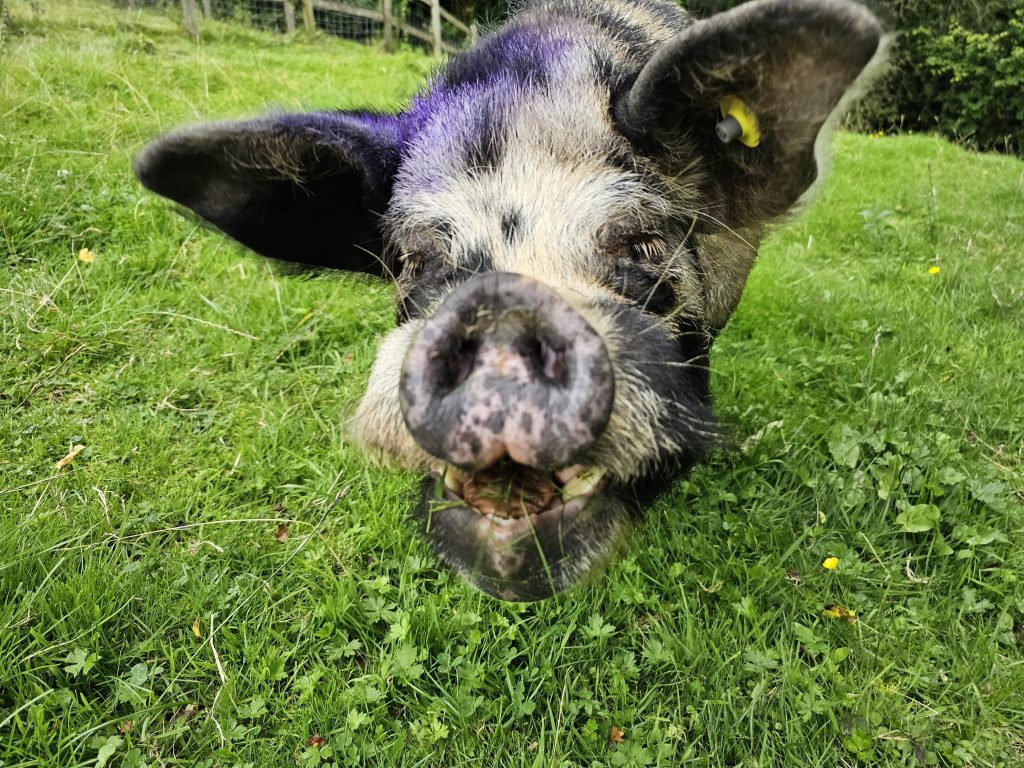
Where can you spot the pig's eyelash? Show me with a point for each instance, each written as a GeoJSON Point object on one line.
{"type": "Point", "coordinates": [413, 260]}
{"type": "Point", "coordinates": [645, 247]}
{"type": "Point", "coordinates": [669, 263]}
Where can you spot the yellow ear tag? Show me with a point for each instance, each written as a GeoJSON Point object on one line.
{"type": "Point", "coordinates": [742, 125]}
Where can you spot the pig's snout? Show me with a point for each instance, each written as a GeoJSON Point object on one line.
{"type": "Point", "coordinates": [505, 367]}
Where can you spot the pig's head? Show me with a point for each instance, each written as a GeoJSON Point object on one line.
{"type": "Point", "coordinates": [566, 234]}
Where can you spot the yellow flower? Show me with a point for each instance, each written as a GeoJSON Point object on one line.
{"type": "Point", "coordinates": [86, 255]}
{"type": "Point", "coordinates": [839, 612]}
{"type": "Point", "coordinates": [830, 564]}
{"type": "Point", "coordinates": [934, 270]}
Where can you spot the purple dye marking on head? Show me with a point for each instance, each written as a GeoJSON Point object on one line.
{"type": "Point", "coordinates": [477, 89]}
{"type": "Point", "coordinates": [450, 110]}
{"type": "Point", "coordinates": [526, 52]}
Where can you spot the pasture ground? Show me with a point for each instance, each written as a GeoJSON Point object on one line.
{"type": "Point", "coordinates": [218, 578]}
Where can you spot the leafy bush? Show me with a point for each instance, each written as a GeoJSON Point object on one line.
{"type": "Point", "coordinates": [967, 84]}
{"type": "Point", "coordinates": [973, 14]}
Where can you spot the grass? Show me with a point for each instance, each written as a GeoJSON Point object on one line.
{"type": "Point", "coordinates": [219, 579]}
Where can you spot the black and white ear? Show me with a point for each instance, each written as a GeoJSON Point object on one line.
{"type": "Point", "coordinates": [308, 189]}
{"type": "Point", "coordinates": [787, 63]}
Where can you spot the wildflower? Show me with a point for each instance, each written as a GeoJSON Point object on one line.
{"type": "Point", "coordinates": [934, 270]}
{"type": "Point", "coordinates": [839, 612]}
{"type": "Point", "coordinates": [830, 564]}
{"type": "Point", "coordinates": [87, 256]}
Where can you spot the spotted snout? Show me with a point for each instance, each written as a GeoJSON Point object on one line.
{"type": "Point", "coordinates": [506, 368]}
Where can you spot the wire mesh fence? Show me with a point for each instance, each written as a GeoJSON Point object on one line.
{"type": "Point", "coordinates": [348, 26]}
{"type": "Point", "coordinates": [422, 23]}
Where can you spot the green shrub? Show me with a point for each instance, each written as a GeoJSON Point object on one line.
{"type": "Point", "coordinates": [973, 14]}
{"type": "Point", "coordinates": [972, 83]}
{"type": "Point", "coordinates": [969, 85]}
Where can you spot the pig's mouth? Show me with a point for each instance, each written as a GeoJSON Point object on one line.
{"type": "Point", "coordinates": [511, 494]}
{"type": "Point", "coordinates": [519, 532]}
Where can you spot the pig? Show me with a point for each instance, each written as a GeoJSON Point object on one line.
{"type": "Point", "coordinates": [568, 212]}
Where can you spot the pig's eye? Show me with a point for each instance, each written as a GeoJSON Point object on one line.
{"type": "Point", "coordinates": [426, 246]}
{"type": "Point", "coordinates": [415, 255]}
{"type": "Point", "coordinates": [644, 247]}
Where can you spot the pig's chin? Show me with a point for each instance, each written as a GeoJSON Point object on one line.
{"type": "Point", "coordinates": [519, 533]}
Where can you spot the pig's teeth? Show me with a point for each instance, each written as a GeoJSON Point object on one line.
{"type": "Point", "coordinates": [567, 474]}
{"type": "Point", "coordinates": [584, 483]}
{"type": "Point", "coordinates": [454, 479]}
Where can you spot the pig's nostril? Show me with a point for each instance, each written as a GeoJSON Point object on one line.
{"type": "Point", "coordinates": [466, 356]}
{"type": "Point", "coordinates": [455, 363]}
{"type": "Point", "coordinates": [547, 361]}
{"type": "Point", "coordinates": [554, 367]}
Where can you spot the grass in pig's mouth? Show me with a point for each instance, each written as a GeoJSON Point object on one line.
{"type": "Point", "coordinates": [509, 492]}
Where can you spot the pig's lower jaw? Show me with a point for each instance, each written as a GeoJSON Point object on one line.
{"type": "Point", "coordinates": [522, 539]}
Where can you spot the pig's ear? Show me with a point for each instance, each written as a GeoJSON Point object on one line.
{"type": "Point", "coordinates": [782, 65]}
{"type": "Point", "coordinates": [308, 189]}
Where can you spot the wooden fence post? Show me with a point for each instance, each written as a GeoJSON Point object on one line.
{"type": "Point", "coordinates": [389, 30]}
{"type": "Point", "coordinates": [289, 16]}
{"type": "Point", "coordinates": [191, 13]}
{"type": "Point", "coordinates": [207, 10]}
{"type": "Point", "coordinates": [307, 17]}
{"type": "Point", "coordinates": [435, 25]}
